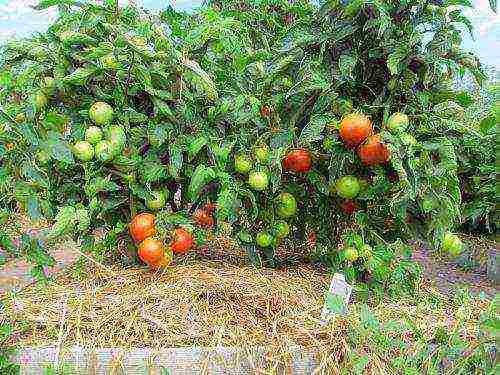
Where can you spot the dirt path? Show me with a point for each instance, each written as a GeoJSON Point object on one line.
{"type": "Point", "coordinates": [446, 276]}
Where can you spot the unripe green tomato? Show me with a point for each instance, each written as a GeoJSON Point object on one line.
{"type": "Point", "coordinates": [93, 134]}
{"type": "Point", "coordinates": [286, 205]}
{"type": "Point", "coordinates": [40, 101]}
{"type": "Point", "coordinates": [347, 187]}
{"type": "Point", "coordinates": [452, 244]}
{"type": "Point", "coordinates": [350, 254]}
{"type": "Point", "coordinates": [408, 139]}
{"type": "Point", "coordinates": [258, 180]}
{"type": "Point", "coordinates": [103, 151]}
{"type": "Point", "coordinates": [282, 229]}
{"type": "Point", "coordinates": [157, 201]}
{"type": "Point", "coordinates": [261, 154]}
{"type": "Point", "coordinates": [242, 164]}
{"type": "Point", "coordinates": [83, 150]}
{"type": "Point", "coordinates": [264, 239]}
{"type": "Point", "coordinates": [398, 122]}
{"type": "Point", "coordinates": [101, 113]}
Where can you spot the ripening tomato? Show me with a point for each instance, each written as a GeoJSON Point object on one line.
{"type": "Point", "coordinates": [281, 228]}
{"type": "Point", "coordinates": [203, 218]}
{"type": "Point", "coordinates": [452, 244]}
{"type": "Point", "coordinates": [355, 128]}
{"type": "Point", "coordinates": [103, 151]}
{"type": "Point", "coordinates": [93, 134]}
{"type": "Point", "coordinates": [83, 151]}
{"type": "Point", "coordinates": [182, 241]}
{"type": "Point", "coordinates": [101, 113]}
{"type": "Point", "coordinates": [374, 151]}
{"type": "Point", "coordinates": [157, 201]}
{"type": "Point", "coordinates": [298, 161]}
{"type": "Point", "coordinates": [398, 122]}
{"type": "Point", "coordinates": [151, 250]}
{"type": "Point", "coordinates": [242, 164]}
{"type": "Point", "coordinates": [264, 239]}
{"type": "Point", "coordinates": [350, 254]}
{"type": "Point", "coordinates": [142, 226]}
{"type": "Point", "coordinates": [258, 180]}
{"type": "Point", "coordinates": [349, 207]}
{"type": "Point", "coordinates": [348, 187]}
{"type": "Point", "coordinates": [286, 205]}
{"type": "Point", "coordinates": [261, 154]}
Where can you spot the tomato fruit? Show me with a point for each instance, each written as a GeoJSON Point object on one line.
{"type": "Point", "coordinates": [350, 254]}
{"type": "Point", "coordinates": [151, 251]}
{"type": "Point", "coordinates": [103, 151]}
{"type": "Point", "coordinates": [93, 134]}
{"type": "Point", "coordinates": [349, 206]}
{"type": "Point", "coordinates": [203, 218]}
{"type": "Point", "coordinates": [210, 207]}
{"type": "Point", "coordinates": [258, 180]}
{"type": "Point", "coordinates": [101, 113]}
{"type": "Point", "coordinates": [281, 228]}
{"type": "Point", "coordinates": [157, 201]}
{"type": "Point", "coordinates": [452, 244]}
{"type": "Point", "coordinates": [347, 187]}
{"type": "Point", "coordinates": [355, 128]}
{"type": "Point", "coordinates": [374, 151]}
{"type": "Point", "coordinates": [398, 122]}
{"type": "Point", "coordinates": [261, 154]}
{"type": "Point", "coordinates": [286, 205]}
{"type": "Point", "coordinates": [48, 85]}
{"type": "Point", "coordinates": [40, 101]}
{"type": "Point", "coordinates": [427, 204]}
{"type": "Point", "coordinates": [264, 239]}
{"type": "Point", "coordinates": [83, 151]}
{"type": "Point", "coordinates": [142, 226]}
{"type": "Point", "coordinates": [165, 261]}
{"type": "Point", "coordinates": [242, 164]}
{"type": "Point", "coordinates": [182, 241]}
{"type": "Point", "coordinates": [408, 139]}
{"type": "Point", "coordinates": [298, 161]}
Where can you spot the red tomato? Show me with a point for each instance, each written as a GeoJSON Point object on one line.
{"type": "Point", "coordinates": [355, 128]}
{"type": "Point", "coordinates": [210, 207]}
{"type": "Point", "coordinates": [142, 227]}
{"type": "Point", "coordinates": [374, 151]}
{"type": "Point", "coordinates": [151, 251]}
{"type": "Point", "coordinates": [298, 161]}
{"type": "Point", "coordinates": [203, 218]}
{"type": "Point", "coordinates": [182, 242]}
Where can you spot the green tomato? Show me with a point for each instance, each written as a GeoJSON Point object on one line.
{"type": "Point", "coordinates": [348, 187]}
{"type": "Point", "coordinates": [258, 180]}
{"type": "Point", "coordinates": [427, 205]}
{"type": "Point", "coordinates": [452, 244]}
{"type": "Point", "coordinates": [408, 139]}
{"type": "Point", "coordinates": [83, 150]}
{"type": "Point", "coordinates": [286, 205]}
{"type": "Point", "coordinates": [117, 139]}
{"type": "Point", "coordinates": [350, 254]}
{"type": "Point", "coordinates": [101, 113]}
{"type": "Point", "coordinates": [264, 239]}
{"type": "Point", "coordinates": [245, 236]}
{"type": "Point", "coordinates": [282, 229]}
{"type": "Point", "coordinates": [40, 101]}
{"type": "Point", "coordinates": [103, 151]}
{"type": "Point", "coordinates": [49, 85]}
{"type": "Point", "coordinates": [398, 122]}
{"type": "Point", "coordinates": [93, 134]}
{"type": "Point", "coordinates": [261, 154]}
{"type": "Point", "coordinates": [242, 164]}
{"type": "Point", "coordinates": [42, 157]}
{"type": "Point", "coordinates": [157, 201]}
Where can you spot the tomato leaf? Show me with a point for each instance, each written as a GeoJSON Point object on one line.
{"type": "Point", "coordinates": [201, 176]}
{"type": "Point", "coordinates": [59, 149]}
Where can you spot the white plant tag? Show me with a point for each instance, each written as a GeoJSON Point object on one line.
{"type": "Point", "coordinates": [336, 299]}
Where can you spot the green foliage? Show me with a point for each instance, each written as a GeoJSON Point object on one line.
{"type": "Point", "coordinates": [191, 91]}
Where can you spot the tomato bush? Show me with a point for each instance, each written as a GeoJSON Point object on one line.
{"type": "Point", "coordinates": [184, 110]}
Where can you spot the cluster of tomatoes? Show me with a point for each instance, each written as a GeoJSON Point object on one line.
{"type": "Point", "coordinates": [151, 249]}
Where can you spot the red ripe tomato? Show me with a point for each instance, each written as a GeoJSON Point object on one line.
{"type": "Point", "coordinates": [355, 128]}
{"type": "Point", "coordinates": [203, 218]}
{"type": "Point", "coordinates": [165, 261]}
{"type": "Point", "coordinates": [298, 161]}
{"type": "Point", "coordinates": [349, 207]}
{"type": "Point", "coordinates": [142, 226]}
{"type": "Point", "coordinates": [210, 207]}
{"type": "Point", "coordinates": [151, 251]}
{"type": "Point", "coordinates": [182, 242]}
{"type": "Point", "coordinates": [374, 151]}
